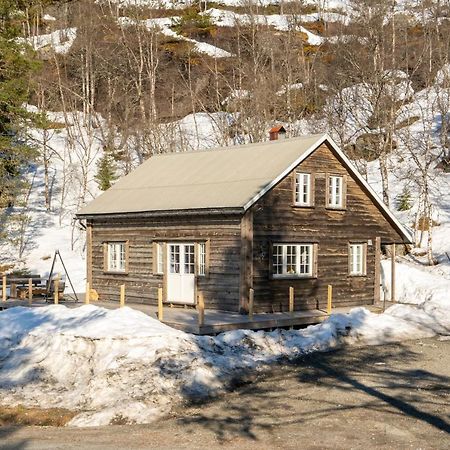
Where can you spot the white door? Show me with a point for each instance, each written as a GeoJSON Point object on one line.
{"type": "Point", "coordinates": [181, 273]}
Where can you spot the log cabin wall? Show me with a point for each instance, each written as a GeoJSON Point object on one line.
{"type": "Point", "coordinates": [221, 285]}
{"type": "Point", "coordinates": [277, 220]}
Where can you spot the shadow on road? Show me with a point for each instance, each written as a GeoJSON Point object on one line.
{"type": "Point", "coordinates": [8, 432]}
{"type": "Point", "coordinates": [345, 384]}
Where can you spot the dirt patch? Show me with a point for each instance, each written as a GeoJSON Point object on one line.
{"type": "Point", "coordinates": [20, 415]}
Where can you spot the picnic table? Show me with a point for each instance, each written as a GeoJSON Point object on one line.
{"type": "Point", "coordinates": [21, 284]}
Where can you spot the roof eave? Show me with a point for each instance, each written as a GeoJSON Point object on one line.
{"type": "Point", "coordinates": [163, 213]}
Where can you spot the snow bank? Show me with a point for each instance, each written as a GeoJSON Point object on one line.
{"type": "Point", "coordinates": [122, 365]}
{"type": "Point", "coordinates": [417, 285]}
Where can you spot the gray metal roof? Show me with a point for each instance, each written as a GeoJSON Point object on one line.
{"type": "Point", "coordinates": [228, 177]}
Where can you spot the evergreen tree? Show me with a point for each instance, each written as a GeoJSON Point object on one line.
{"type": "Point", "coordinates": [17, 63]}
{"type": "Point", "coordinates": [404, 201]}
{"type": "Point", "coordinates": [106, 171]}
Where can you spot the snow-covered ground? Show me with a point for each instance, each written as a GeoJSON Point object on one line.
{"type": "Point", "coordinates": [122, 365]}
{"type": "Point", "coordinates": [282, 22]}
{"type": "Point", "coordinates": [60, 40]}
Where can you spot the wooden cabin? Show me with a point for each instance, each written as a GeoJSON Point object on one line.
{"type": "Point", "coordinates": [266, 216]}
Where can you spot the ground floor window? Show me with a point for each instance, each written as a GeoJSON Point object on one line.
{"type": "Point", "coordinates": [116, 259]}
{"type": "Point", "coordinates": [202, 259]}
{"type": "Point", "coordinates": [159, 257]}
{"type": "Point", "coordinates": [292, 260]}
{"type": "Point", "coordinates": [357, 259]}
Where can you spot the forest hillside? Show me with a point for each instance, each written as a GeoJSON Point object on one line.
{"type": "Point", "coordinates": [90, 89]}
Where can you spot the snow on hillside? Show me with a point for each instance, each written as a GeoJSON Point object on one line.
{"type": "Point", "coordinates": [163, 24]}
{"type": "Point", "coordinates": [112, 365]}
{"type": "Point", "coordinates": [60, 40]}
{"type": "Point", "coordinates": [282, 22]}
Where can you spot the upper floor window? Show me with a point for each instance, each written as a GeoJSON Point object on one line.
{"type": "Point", "coordinates": [292, 260]}
{"type": "Point", "coordinates": [303, 189]}
{"type": "Point", "coordinates": [357, 259]}
{"type": "Point", "coordinates": [335, 191]}
{"type": "Point", "coordinates": [116, 259]}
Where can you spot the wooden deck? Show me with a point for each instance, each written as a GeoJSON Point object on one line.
{"type": "Point", "coordinates": [186, 319]}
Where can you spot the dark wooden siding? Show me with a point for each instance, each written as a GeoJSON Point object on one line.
{"type": "Point", "coordinates": [275, 219]}
{"type": "Point", "coordinates": [220, 287]}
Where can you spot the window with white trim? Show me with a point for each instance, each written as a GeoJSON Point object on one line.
{"type": "Point", "coordinates": [159, 258]}
{"type": "Point", "coordinates": [335, 191]}
{"type": "Point", "coordinates": [357, 259]}
{"type": "Point", "coordinates": [292, 260]}
{"type": "Point", "coordinates": [303, 189]}
{"type": "Point", "coordinates": [202, 259]}
{"type": "Point", "coordinates": [116, 256]}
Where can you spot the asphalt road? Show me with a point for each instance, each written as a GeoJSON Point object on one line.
{"type": "Point", "coordinates": [386, 397]}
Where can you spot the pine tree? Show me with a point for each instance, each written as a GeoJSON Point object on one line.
{"type": "Point", "coordinates": [404, 200]}
{"type": "Point", "coordinates": [106, 171]}
{"type": "Point", "coordinates": [17, 63]}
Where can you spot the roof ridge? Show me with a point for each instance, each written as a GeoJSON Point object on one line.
{"type": "Point", "coordinates": [241, 146]}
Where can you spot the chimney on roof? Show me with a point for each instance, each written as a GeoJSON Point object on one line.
{"type": "Point", "coordinates": [277, 132]}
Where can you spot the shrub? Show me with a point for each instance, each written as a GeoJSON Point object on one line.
{"type": "Point", "coordinates": [193, 24]}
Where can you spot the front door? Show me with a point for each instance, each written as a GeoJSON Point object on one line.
{"type": "Point", "coordinates": [181, 273]}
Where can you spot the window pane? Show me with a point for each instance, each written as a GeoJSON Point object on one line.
{"type": "Point", "coordinates": [174, 258]}
{"type": "Point", "coordinates": [335, 191]}
{"type": "Point", "coordinates": [121, 256]}
{"type": "Point", "coordinates": [291, 259]}
{"type": "Point", "coordinates": [357, 259]}
{"type": "Point", "coordinates": [305, 259]}
{"type": "Point", "coordinates": [277, 259]}
{"type": "Point", "coordinates": [202, 259]}
{"type": "Point", "coordinates": [159, 258]}
{"type": "Point", "coordinates": [302, 188]}
{"type": "Point", "coordinates": [116, 256]}
{"type": "Point", "coordinates": [189, 266]}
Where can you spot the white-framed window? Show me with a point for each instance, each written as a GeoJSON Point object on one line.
{"type": "Point", "coordinates": [357, 259]}
{"type": "Point", "coordinates": [202, 259]}
{"type": "Point", "coordinates": [303, 189]}
{"type": "Point", "coordinates": [292, 260]}
{"type": "Point", "coordinates": [159, 257]}
{"type": "Point", "coordinates": [116, 256]}
{"type": "Point", "coordinates": [335, 191]}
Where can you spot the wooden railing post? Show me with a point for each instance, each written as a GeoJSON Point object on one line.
{"type": "Point", "coordinates": [291, 299]}
{"type": "Point", "coordinates": [122, 295]}
{"type": "Point", "coordinates": [251, 296]}
{"type": "Point", "coordinates": [201, 310]}
{"type": "Point", "coordinates": [30, 291]}
{"type": "Point", "coordinates": [330, 299]}
{"type": "Point", "coordinates": [4, 288]}
{"type": "Point", "coordinates": [160, 305]}
{"type": "Point", "coordinates": [56, 290]}
{"type": "Point", "coordinates": [87, 297]}
{"type": "Point", "coordinates": [393, 273]}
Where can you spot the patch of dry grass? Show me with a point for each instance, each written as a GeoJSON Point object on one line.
{"type": "Point", "coordinates": [20, 415]}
